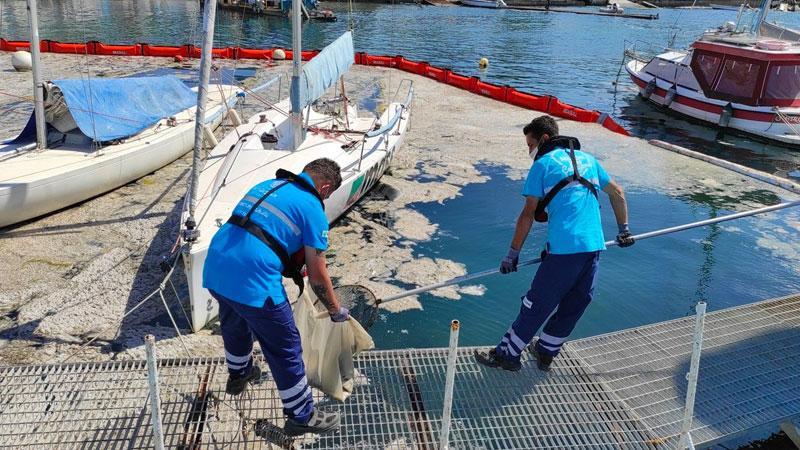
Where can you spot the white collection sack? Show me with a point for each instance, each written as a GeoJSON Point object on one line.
{"type": "Point", "coordinates": [328, 347]}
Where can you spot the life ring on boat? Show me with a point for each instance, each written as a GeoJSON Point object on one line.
{"type": "Point", "coordinates": [772, 44]}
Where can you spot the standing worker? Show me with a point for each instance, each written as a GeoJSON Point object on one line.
{"type": "Point", "coordinates": [565, 181]}
{"type": "Point", "coordinates": [243, 271]}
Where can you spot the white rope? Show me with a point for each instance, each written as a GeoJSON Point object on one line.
{"type": "Point", "coordinates": [785, 119]}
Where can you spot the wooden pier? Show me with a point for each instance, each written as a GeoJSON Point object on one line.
{"type": "Point", "coordinates": [623, 390]}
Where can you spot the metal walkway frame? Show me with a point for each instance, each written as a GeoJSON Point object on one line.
{"type": "Point", "coordinates": [622, 390]}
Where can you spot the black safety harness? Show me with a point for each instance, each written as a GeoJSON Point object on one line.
{"type": "Point", "coordinates": [291, 266]}
{"type": "Point", "coordinates": [557, 142]}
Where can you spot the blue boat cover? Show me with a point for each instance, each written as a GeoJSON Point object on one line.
{"type": "Point", "coordinates": [324, 70]}
{"type": "Point", "coordinates": [113, 108]}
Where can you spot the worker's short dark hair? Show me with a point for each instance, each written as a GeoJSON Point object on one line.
{"type": "Point", "coordinates": [540, 126]}
{"type": "Point", "coordinates": [327, 169]}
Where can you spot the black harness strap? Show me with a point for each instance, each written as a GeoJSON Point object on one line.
{"type": "Point", "coordinates": [541, 215]}
{"type": "Point", "coordinates": [290, 269]}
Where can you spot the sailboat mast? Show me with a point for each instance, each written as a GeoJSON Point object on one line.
{"type": "Point", "coordinates": [297, 41]}
{"type": "Point", "coordinates": [38, 87]}
{"type": "Point", "coordinates": [209, 15]}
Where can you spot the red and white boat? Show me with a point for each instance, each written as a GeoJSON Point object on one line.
{"type": "Point", "coordinates": [742, 80]}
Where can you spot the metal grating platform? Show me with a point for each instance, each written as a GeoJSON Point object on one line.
{"type": "Point", "coordinates": [620, 390]}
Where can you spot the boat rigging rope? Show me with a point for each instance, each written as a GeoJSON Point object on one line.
{"type": "Point", "coordinates": [87, 65]}
{"type": "Point", "coordinates": [160, 292]}
{"type": "Point", "coordinates": [785, 119]}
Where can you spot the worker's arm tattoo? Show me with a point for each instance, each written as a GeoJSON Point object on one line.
{"type": "Point", "coordinates": [322, 294]}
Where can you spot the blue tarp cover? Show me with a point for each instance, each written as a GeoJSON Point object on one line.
{"type": "Point", "coordinates": [324, 70]}
{"type": "Point", "coordinates": [122, 107]}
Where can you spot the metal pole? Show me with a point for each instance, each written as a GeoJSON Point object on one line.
{"type": "Point", "coordinates": [638, 237]}
{"type": "Point", "coordinates": [38, 87]}
{"type": "Point", "coordinates": [297, 43]}
{"type": "Point", "coordinates": [190, 233]}
{"type": "Point", "coordinates": [152, 382]}
{"type": "Point", "coordinates": [691, 388]}
{"type": "Point", "coordinates": [444, 438]}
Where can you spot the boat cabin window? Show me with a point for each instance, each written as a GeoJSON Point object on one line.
{"type": "Point", "coordinates": [739, 78]}
{"type": "Point", "coordinates": [706, 67]}
{"type": "Point", "coordinates": [783, 85]}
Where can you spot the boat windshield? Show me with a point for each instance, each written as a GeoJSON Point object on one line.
{"type": "Point", "coordinates": [783, 85]}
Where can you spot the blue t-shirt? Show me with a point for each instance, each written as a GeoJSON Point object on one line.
{"type": "Point", "coordinates": [241, 267]}
{"type": "Point", "coordinates": [574, 213]}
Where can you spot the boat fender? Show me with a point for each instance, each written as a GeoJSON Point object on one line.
{"type": "Point", "coordinates": [670, 95]}
{"type": "Point", "coordinates": [650, 88]}
{"type": "Point", "coordinates": [234, 117]}
{"type": "Point", "coordinates": [21, 61]}
{"type": "Point", "coordinates": [725, 116]}
{"type": "Point", "coordinates": [209, 138]}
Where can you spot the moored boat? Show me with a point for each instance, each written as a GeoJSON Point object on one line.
{"type": "Point", "coordinates": [484, 3]}
{"type": "Point", "coordinates": [742, 80]}
{"type": "Point", "coordinates": [277, 139]}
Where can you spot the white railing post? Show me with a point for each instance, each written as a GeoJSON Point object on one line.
{"type": "Point", "coordinates": [691, 388]}
{"type": "Point", "coordinates": [155, 397]}
{"type": "Point", "coordinates": [452, 354]}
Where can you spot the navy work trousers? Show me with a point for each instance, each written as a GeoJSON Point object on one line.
{"type": "Point", "coordinates": [274, 328]}
{"type": "Point", "coordinates": [564, 283]}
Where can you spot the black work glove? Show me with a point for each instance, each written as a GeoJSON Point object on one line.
{"type": "Point", "coordinates": [625, 238]}
{"type": "Point", "coordinates": [509, 262]}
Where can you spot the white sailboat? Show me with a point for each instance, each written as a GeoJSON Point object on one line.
{"type": "Point", "coordinates": [276, 139]}
{"type": "Point", "coordinates": [94, 135]}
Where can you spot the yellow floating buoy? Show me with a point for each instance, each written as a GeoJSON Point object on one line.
{"type": "Point", "coordinates": [279, 55]}
{"type": "Point", "coordinates": [483, 63]}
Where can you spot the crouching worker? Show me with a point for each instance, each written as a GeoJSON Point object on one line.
{"type": "Point", "coordinates": [563, 183]}
{"type": "Point", "coordinates": [243, 270]}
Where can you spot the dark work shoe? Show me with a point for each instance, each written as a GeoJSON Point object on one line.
{"type": "Point", "coordinates": [236, 385]}
{"type": "Point", "coordinates": [321, 422]}
{"type": "Point", "coordinates": [490, 359]}
{"type": "Point", "coordinates": [542, 361]}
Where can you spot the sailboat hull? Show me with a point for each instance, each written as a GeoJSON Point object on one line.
{"type": "Point", "coordinates": [43, 182]}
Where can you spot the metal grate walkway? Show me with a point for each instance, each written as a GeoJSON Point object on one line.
{"type": "Point", "coordinates": [623, 390]}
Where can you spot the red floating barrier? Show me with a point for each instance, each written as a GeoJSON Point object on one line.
{"type": "Point", "coordinates": [610, 124]}
{"type": "Point", "coordinates": [72, 48]}
{"type": "Point", "coordinates": [116, 50]}
{"type": "Point", "coordinates": [252, 53]}
{"type": "Point", "coordinates": [490, 90]}
{"type": "Point", "coordinates": [560, 109]}
{"type": "Point", "coordinates": [306, 55]}
{"type": "Point", "coordinates": [436, 73]}
{"type": "Point", "coordinates": [221, 53]}
{"type": "Point", "coordinates": [165, 51]}
{"type": "Point", "coordinates": [359, 59]}
{"type": "Point", "coordinates": [410, 66]}
{"type": "Point", "coordinates": [382, 61]}
{"type": "Point", "coordinates": [14, 46]}
{"type": "Point", "coordinates": [526, 100]}
{"type": "Point", "coordinates": [461, 81]}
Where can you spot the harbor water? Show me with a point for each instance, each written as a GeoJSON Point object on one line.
{"type": "Point", "coordinates": [574, 57]}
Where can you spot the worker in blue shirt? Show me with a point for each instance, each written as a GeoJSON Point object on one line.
{"type": "Point", "coordinates": [275, 223]}
{"type": "Point", "coordinates": [561, 189]}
